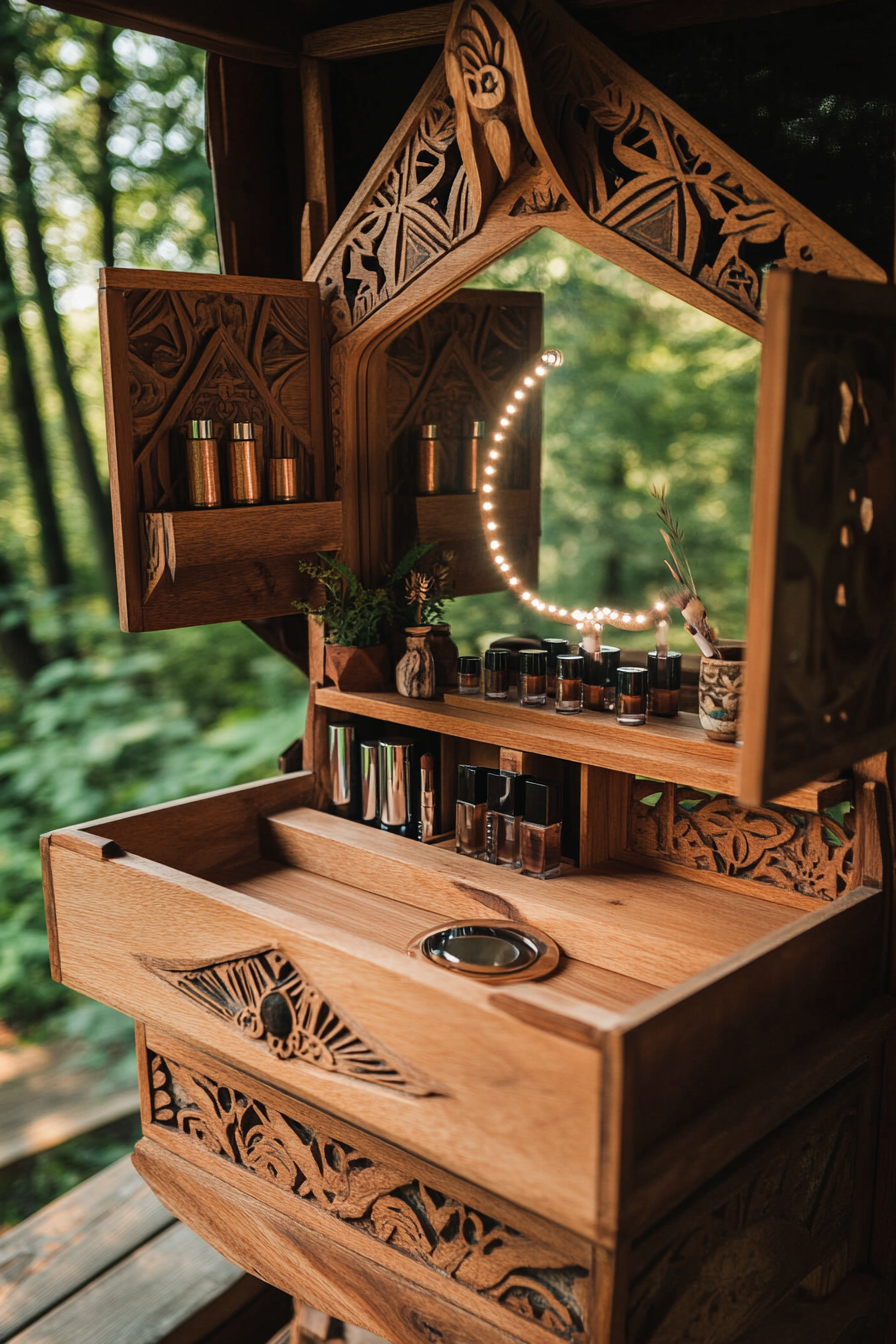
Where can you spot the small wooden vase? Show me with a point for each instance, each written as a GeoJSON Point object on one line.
{"type": "Point", "coordinates": [444, 653]}
{"type": "Point", "coordinates": [415, 675]}
{"type": "Point", "coordinates": [718, 697]}
{"type": "Point", "coordinates": [352, 669]}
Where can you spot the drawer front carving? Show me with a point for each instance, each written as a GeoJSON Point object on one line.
{"type": "Point", "coordinates": [270, 999]}
{"type": "Point", "coordinates": [715, 1267]}
{"type": "Point", "coordinates": [376, 1190]}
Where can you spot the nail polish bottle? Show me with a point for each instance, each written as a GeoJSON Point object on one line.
{"type": "Point", "coordinates": [395, 774]}
{"type": "Point", "coordinates": [552, 648]}
{"type": "Point", "coordinates": [601, 663]}
{"type": "Point", "coordinates": [631, 695]}
{"type": "Point", "coordinates": [497, 674]}
{"type": "Point", "coordinates": [503, 818]}
{"type": "Point", "coordinates": [540, 830]}
{"type": "Point", "coordinates": [343, 787]}
{"type": "Point", "coordinates": [468, 460]}
{"type": "Point", "coordinates": [663, 683]}
{"type": "Point", "coordinates": [469, 675]}
{"type": "Point", "coordinates": [533, 676]}
{"type": "Point", "coordinates": [570, 670]}
{"type": "Point", "coordinates": [472, 797]}
{"type": "Point", "coordinates": [370, 794]}
{"type": "Point", "coordinates": [426, 464]}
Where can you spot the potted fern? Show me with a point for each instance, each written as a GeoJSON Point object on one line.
{"type": "Point", "coordinates": [356, 619]}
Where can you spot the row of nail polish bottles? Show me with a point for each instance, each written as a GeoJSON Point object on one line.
{"type": "Point", "coordinates": [511, 820]}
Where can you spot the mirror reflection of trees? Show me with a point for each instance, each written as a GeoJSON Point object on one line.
{"type": "Point", "coordinates": [651, 392]}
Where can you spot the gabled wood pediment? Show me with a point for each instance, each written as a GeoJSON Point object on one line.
{"type": "Point", "coordinates": [531, 116]}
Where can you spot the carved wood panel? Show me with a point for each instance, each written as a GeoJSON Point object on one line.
{"type": "Point", "coordinates": [821, 679]}
{"type": "Point", "coordinates": [346, 1176]}
{"type": "Point", "coordinates": [527, 89]}
{"type": "Point", "coordinates": [783, 847]}
{"type": "Point", "coordinates": [721, 1262]}
{"type": "Point", "coordinates": [269, 998]}
{"type": "Point", "coordinates": [460, 362]}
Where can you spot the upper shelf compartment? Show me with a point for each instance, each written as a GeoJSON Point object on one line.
{"type": "Point", "coordinates": [231, 350]}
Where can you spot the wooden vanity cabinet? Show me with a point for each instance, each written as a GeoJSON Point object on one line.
{"type": "Point", "coordinates": [685, 1132]}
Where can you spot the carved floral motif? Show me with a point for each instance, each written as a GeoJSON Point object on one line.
{"type": "Point", "coordinates": [796, 851]}
{"type": "Point", "coordinates": [269, 998]}
{"type": "Point", "coordinates": [527, 1277]}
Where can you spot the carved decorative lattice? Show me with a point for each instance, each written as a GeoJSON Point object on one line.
{"type": "Point", "coordinates": [217, 356]}
{"type": "Point", "coordinates": [268, 997]}
{"type": "Point", "coordinates": [527, 1277]}
{"type": "Point", "coordinates": [416, 213]}
{"type": "Point", "coordinates": [710, 1271]}
{"type": "Point", "coordinates": [806, 852]}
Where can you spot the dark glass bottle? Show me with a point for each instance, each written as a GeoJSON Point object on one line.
{"type": "Point", "coordinates": [552, 648]}
{"type": "Point", "coordinates": [503, 818]}
{"type": "Point", "coordinates": [396, 782]}
{"type": "Point", "coordinates": [472, 795]}
{"type": "Point", "coordinates": [541, 829]}
{"type": "Point", "coordinates": [469, 675]}
{"type": "Point", "coordinates": [600, 677]}
{"type": "Point", "coordinates": [497, 674]}
{"type": "Point", "coordinates": [631, 695]}
{"type": "Point", "coordinates": [664, 683]}
{"type": "Point", "coordinates": [533, 669]}
{"type": "Point", "coordinates": [570, 669]}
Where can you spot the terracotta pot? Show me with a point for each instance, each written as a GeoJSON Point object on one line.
{"type": "Point", "coordinates": [352, 669]}
{"type": "Point", "coordinates": [718, 696]}
{"type": "Point", "coordinates": [415, 675]}
{"type": "Point", "coordinates": [444, 654]}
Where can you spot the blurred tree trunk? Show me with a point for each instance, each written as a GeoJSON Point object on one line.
{"type": "Point", "coordinates": [24, 405]}
{"type": "Point", "coordinates": [28, 214]}
{"type": "Point", "coordinates": [104, 191]}
{"type": "Point", "coordinates": [17, 644]}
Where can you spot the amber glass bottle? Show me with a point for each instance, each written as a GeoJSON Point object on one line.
{"type": "Point", "coordinates": [664, 683]}
{"type": "Point", "coordinates": [541, 829]}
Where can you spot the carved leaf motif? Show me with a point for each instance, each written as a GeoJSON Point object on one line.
{"type": "Point", "coordinates": [528, 1277]}
{"type": "Point", "coordinates": [270, 1000]}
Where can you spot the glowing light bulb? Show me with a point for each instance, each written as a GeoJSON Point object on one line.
{"type": "Point", "coordinates": [494, 545]}
{"type": "Point", "coordinates": [505, 567]}
{"type": "Point", "coordinates": [487, 489]}
{"type": "Point", "coordinates": [495, 457]}
{"type": "Point", "coordinates": [510, 408]}
{"type": "Point", "coordinates": [514, 580]}
{"type": "Point", "coordinates": [626, 617]}
{"type": "Point", "coordinates": [659, 606]}
{"type": "Point", "coordinates": [640, 618]}
{"type": "Point", "coordinates": [489, 471]}
{"type": "Point", "coordinates": [540, 371]}
{"type": "Point", "coordinates": [486, 506]}
{"type": "Point", "coordinates": [529, 382]}
{"type": "Point", "coordinates": [519, 394]}
{"type": "Point", "coordinates": [492, 527]}
{"type": "Point", "coordinates": [551, 608]}
{"type": "Point", "coordinates": [614, 615]}
{"type": "Point", "coordinates": [579, 625]}
{"type": "Point", "coordinates": [504, 422]}
{"type": "Point", "coordinates": [562, 612]}
{"type": "Point", "coordinates": [499, 559]}
{"type": "Point", "coordinates": [497, 437]}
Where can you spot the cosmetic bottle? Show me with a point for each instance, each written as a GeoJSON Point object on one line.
{"type": "Point", "coordinates": [395, 775]}
{"type": "Point", "coordinates": [468, 460]}
{"type": "Point", "coordinates": [569, 673]}
{"type": "Point", "coordinates": [601, 664]}
{"type": "Point", "coordinates": [343, 788]}
{"type": "Point", "coordinates": [370, 795]}
{"type": "Point", "coordinates": [663, 683]}
{"type": "Point", "coordinates": [540, 830]}
{"type": "Point", "coordinates": [244, 476]}
{"type": "Point", "coordinates": [497, 674]}
{"type": "Point", "coordinates": [631, 695]}
{"type": "Point", "coordinates": [283, 480]}
{"type": "Point", "coordinates": [427, 825]}
{"type": "Point", "coordinates": [552, 648]}
{"type": "Point", "coordinates": [533, 676]}
{"type": "Point", "coordinates": [472, 796]}
{"type": "Point", "coordinates": [505, 804]}
{"type": "Point", "coordinates": [203, 468]}
{"type": "Point", "coordinates": [469, 675]}
{"type": "Point", "coordinates": [426, 461]}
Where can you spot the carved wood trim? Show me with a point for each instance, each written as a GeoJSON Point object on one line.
{"type": "Point", "coordinates": [346, 1177]}
{"type": "Point", "coordinates": [783, 847]}
{"type": "Point", "coordinates": [268, 997]}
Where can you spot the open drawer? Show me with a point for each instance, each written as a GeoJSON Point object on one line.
{"type": "Point", "coordinates": [273, 937]}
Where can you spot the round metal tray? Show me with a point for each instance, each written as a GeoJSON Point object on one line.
{"type": "Point", "coordinates": [494, 949]}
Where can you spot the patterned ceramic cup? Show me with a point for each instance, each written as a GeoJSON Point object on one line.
{"type": "Point", "coordinates": [718, 697]}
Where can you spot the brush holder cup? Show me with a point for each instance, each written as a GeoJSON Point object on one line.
{"type": "Point", "coordinates": [719, 693]}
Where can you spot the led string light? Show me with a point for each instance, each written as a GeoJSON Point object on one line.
{"type": "Point", "coordinates": [598, 616]}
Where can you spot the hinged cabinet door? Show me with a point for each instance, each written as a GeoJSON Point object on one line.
{"type": "Point", "coordinates": [228, 349]}
{"type": "Point", "coordinates": [821, 647]}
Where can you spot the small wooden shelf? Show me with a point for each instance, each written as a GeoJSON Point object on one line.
{"type": "Point", "coordinates": [676, 750]}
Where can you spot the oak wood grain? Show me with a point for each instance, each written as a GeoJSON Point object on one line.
{"type": "Point", "coordinates": [386, 32]}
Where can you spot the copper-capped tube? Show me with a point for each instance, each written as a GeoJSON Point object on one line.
{"type": "Point", "coordinates": [242, 461]}
{"type": "Point", "coordinates": [283, 480]}
{"type": "Point", "coordinates": [203, 468]}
